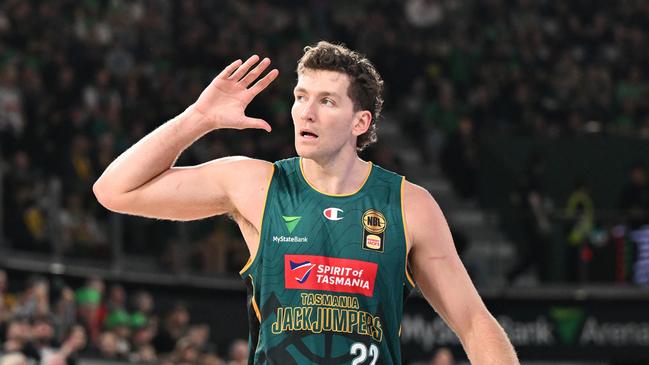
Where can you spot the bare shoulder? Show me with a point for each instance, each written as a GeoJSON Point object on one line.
{"type": "Point", "coordinates": [418, 201]}
{"type": "Point", "coordinates": [246, 184]}
{"type": "Point", "coordinates": [424, 217]}
{"type": "Point", "coordinates": [416, 195]}
{"type": "Point", "coordinates": [245, 165]}
{"type": "Point", "coordinates": [241, 176]}
{"type": "Point", "coordinates": [238, 173]}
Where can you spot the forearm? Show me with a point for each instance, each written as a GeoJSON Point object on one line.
{"type": "Point", "coordinates": [487, 343]}
{"type": "Point", "coordinates": [153, 154]}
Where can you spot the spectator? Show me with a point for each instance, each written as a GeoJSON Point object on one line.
{"type": "Point", "coordinates": [185, 352]}
{"type": "Point", "coordinates": [88, 300]}
{"type": "Point", "coordinates": [199, 335]}
{"type": "Point", "coordinates": [143, 303]}
{"type": "Point", "coordinates": [35, 301]}
{"type": "Point", "coordinates": [65, 311]}
{"type": "Point", "coordinates": [640, 236]}
{"type": "Point", "coordinates": [41, 339]}
{"type": "Point", "coordinates": [533, 208]}
{"type": "Point", "coordinates": [442, 356]}
{"type": "Point", "coordinates": [210, 359]}
{"type": "Point", "coordinates": [142, 338]}
{"type": "Point", "coordinates": [12, 120]}
{"type": "Point", "coordinates": [459, 158]}
{"type": "Point", "coordinates": [27, 227]}
{"type": "Point", "coordinates": [423, 13]}
{"type": "Point", "coordinates": [116, 298]}
{"type": "Point", "coordinates": [17, 335]}
{"type": "Point", "coordinates": [107, 346]}
{"type": "Point", "coordinates": [13, 359]}
{"type": "Point", "coordinates": [580, 223]}
{"type": "Point", "coordinates": [634, 199]}
{"type": "Point", "coordinates": [7, 300]}
{"type": "Point", "coordinates": [238, 353]}
{"type": "Point", "coordinates": [118, 322]}
{"type": "Point", "coordinates": [81, 234]}
{"type": "Point", "coordinates": [144, 355]}
{"type": "Point", "coordinates": [73, 343]}
{"type": "Point", "coordinates": [174, 327]}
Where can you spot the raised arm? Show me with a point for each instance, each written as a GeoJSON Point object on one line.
{"type": "Point", "coordinates": [443, 280]}
{"type": "Point", "coordinates": [143, 180]}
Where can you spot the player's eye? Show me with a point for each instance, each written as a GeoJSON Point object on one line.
{"type": "Point", "coordinates": [327, 101]}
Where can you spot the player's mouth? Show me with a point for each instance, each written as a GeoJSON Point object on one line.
{"type": "Point", "coordinates": [307, 134]}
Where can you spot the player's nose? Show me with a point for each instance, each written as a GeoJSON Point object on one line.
{"type": "Point", "coordinates": [307, 112]}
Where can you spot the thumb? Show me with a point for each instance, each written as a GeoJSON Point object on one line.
{"type": "Point", "coordinates": [258, 123]}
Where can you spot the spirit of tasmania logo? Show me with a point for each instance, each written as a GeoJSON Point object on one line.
{"type": "Point", "coordinates": [301, 270]}
{"type": "Point", "coordinates": [309, 272]}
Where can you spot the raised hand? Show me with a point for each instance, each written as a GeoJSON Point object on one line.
{"type": "Point", "coordinates": [224, 101]}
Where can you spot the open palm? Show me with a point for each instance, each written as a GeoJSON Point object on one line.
{"type": "Point", "coordinates": [225, 100]}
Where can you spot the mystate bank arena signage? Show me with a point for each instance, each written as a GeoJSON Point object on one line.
{"type": "Point", "coordinates": [543, 329]}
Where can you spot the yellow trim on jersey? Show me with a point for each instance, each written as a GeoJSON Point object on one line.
{"type": "Point", "coordinates": [254, 301]}
{"type": "Point", "coordinates": [369, 172]}
{"type": "Point", "coordinates": [248, 263]}
{"type": "Point", "coordinates": [261, 225]}
{"type": "Point", "coordinates": [405, 229]}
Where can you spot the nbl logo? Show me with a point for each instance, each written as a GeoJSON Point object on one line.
{"type": "Point", "coordinates": [302, 270]}
{"type": "Point", "coordinates": [374, 225]}
{"type": "Point", "coordinates": [374, 221]}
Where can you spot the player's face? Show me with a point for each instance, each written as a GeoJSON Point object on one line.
{"type": "Point", "coordinates": [323, 114]}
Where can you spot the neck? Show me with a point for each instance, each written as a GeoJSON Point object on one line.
{"type": "Point", "coordinates": [336, 176]}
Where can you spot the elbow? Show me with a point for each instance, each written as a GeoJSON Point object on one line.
{"type": "Point", "coordinates": [481, 323]}
{"type": "Point", "coordinates": [107, 198]}
{"type": "Point", "coordinates": [102, 195]}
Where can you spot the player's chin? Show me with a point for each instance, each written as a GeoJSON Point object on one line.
{"type": "Point", "coordinates": [305, 150]}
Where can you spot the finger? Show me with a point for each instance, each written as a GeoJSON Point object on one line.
{"type": "Point", "coordinates": [229, 70]}
{"type": "Point", "coordinates": [257, 123]}
{"type": "Point", "coordinates": [263, 83]}
{"type": "Point", "coordinates": [252, 75]}
{"type": "Point", "coordinates": [238, 74]}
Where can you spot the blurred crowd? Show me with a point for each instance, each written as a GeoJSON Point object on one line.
{"type": "Point", "coordinates": [594, 245]}
{"type": "Point", "coordinates": [50, 323]}
{"type": "Point", "coordinates": [81, 81]}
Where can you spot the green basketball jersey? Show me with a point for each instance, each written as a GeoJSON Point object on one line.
{"type": "Point", "coordinates": [328, 282]}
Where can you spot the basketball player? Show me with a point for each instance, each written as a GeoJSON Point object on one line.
{"type": "Point", "coordinates": [331, 237]}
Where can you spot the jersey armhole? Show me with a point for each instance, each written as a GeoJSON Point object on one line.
{"type": "Point", "coordinates": [252, 259]}
{"type": "Point", "coordinates": [407, 275]}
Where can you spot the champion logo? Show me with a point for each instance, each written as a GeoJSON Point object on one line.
{"type": "Point", "coordinates": [302, 270]}
{"type": "Point", "coordinates": [333, 214]}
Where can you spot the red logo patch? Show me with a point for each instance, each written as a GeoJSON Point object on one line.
{"type": "Point", "coordinates": [330, 274]}
{"type": "Point", "coordinates": [333, 214]}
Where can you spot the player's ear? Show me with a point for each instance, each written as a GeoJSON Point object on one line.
{"type": "Point", "coordinates": [362, 122]}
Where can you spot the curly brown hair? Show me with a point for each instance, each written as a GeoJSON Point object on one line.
{"type": "Point", "coordinates": [365, 88]}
